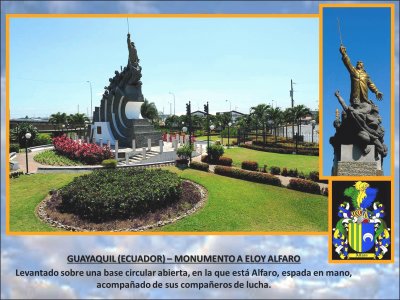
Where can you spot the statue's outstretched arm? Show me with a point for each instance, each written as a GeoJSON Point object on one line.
{"type": "Point", "coordinates": [374, 89]}
{"type": "Point", "coordinates": [346, 59]}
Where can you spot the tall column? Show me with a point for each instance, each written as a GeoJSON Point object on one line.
{"type": "Point", "coordinates": [149, 144]}
{"type": "Point", "coordinates": [161, 143]}
{"type": "Point", "coordinates": [144, 152]}
{"type": "Point", "coordinates": [127, 158]}
{"type": "Point", "coordinates": [101, 142]}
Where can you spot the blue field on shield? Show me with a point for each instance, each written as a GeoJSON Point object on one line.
{"type": "Point", "coordinates": [368, 232]}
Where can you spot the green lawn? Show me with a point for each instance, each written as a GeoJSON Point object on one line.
{"type": "Point", "coordinates": [26, 192]}
{"type": "Point", "coordinates": [50, 157]}
{"type": "Point", "coordinates": [303, 163]}
{"type": "Point", "coordinates": [238, 205]}
{"type": "Point", "coordinates": [233, 205]}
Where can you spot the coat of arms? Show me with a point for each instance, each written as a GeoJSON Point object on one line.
{"type": "Point", "coordinates": [361, 231]}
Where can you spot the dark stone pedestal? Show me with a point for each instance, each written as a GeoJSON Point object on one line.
{"type": "Point", "coordinates": [353, 162]}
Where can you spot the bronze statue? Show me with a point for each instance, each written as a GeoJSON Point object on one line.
{"type": "Point", "coordinates": [133, 56]}
{"type": "Point", "coordinates": [360, 80]}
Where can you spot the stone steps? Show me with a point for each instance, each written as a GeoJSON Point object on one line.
{"type": "Point", "coordinates": [138, 158]}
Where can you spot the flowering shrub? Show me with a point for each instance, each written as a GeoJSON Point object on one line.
{"type": "Point", "coordinates": [199, 166]}
{"type": "Point", "coordinates": [304, 186]}
{"type": "Point", "coordinates": [248, 175]}
{"type": "Point", "coordinates": [224, 161]}
{"type": "Point", "coordinates": [87, 153]}
{"type": "Point", "coordinates": [250, 165]}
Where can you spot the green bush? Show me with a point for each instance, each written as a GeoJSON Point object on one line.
{"type": "Point", "coordinates": [224, 161]}
{"type": "Point", "coordinates": [293, 173]}
{"type": "Point", "coordinates": [14, 148]}
{"type": "Point", "coordinates": [248, 175]}
{"type": "Point", "coordinates": [284, 172]}
{"type": "Point", "coordinates": [199, 166]}
{"type": "Point", "coordinates": [119, 193]}
{"type": "Point", "coordinates": [304, 186]}
{"type": "Point", "coordinates": [216, 151]}
{"type": "Point", "coordinates": [265, 169]}
{"type": "Point", "coordinates": [185, 151]}
{"type": "Point", "coordinates": [275, 170]}
{"type": "Point", "coordinates": [232, 132]}
{"type": "Point", "coordinates": [109, 163]}
{"type": "Point", "coordinates": [314, 176]}
{"type": "Point", "coordinates": [16, 174]}
{"type": "Point", "coordinates": [250, 165]}
{"type": "Point", "coordinates": [52, 158]}
{"type": "Point", "coordinates": [313, 152]}
{"type": "Point", "coordinates": [42, 139]}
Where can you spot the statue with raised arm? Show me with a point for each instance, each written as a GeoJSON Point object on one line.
{"type": "Point", "coordinates": [360, 80]}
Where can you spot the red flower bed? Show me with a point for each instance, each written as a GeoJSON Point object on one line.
{"type": "Point", "coordinates": [87, 153]}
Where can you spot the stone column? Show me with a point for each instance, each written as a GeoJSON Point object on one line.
{"type": "Point", "coordinates": [108, 143]}
{"type": "Point", "coordinates": [168, 138]}
{"type": "Point", "coordinates": [176, 145]}
{"type": "Point", "coordinates": [201, 149]}
{"type": "Point", "coordinates": [87, 140]}
{"type": "Point", "coordinates": [161, 143]}
{"type": "Point", "coordinates": [127, 158]}
{"type": "Point", "coordinates": [177, 136]}
{"type": "Point", "coordinates": [144, 152]}
{"type": "Point", "coordinates": [101, 142]}
{"type": "Point", "coordinates": [133, 145]}
{"type": "Point", "coordinates": [116, 149]}
{"type": "Point", "coordinates": [93, 140]}
{"type": "Point", "coordinates": [149, 144]}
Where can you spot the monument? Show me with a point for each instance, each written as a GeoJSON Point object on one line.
{"type": "Point", "coordinates": [118, 116]}
{"type": "Point", "coordinates": [358, 142]}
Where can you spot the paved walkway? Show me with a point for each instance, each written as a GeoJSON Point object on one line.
{"type": "Point", "coordinates": [32, 165]}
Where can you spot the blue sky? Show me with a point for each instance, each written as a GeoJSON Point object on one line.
{"type": "Point", "coordinates": [366, 36]}
{"type": "Point", "coordinates": [35, 252]}
{"type": "Point", "coordinates": [244, 60]}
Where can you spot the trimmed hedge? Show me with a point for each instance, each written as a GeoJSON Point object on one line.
{"type": "Point", "coordinates": [250, 165]}
{"type": "Point", "coordinates": [284, 172]}
{"type": "Point", "coordinates": [225, 161]}
{"type": "Point", "coordinates": [109, 163]}
{"type": "Point", "coordinates": [282, 150]}
{"type": "Point", "coordinates": [293, 173]}
{"type": "Point", "coordinates": [248, 175]}
{"type": "Point", "coordinates": [304, 186]}
{"type": "Point", "coordinates": [119, 193]}
{"type": "Point", "coordinates": [199, 166]}
{"type": "Point", "coordinates": [275, 170]}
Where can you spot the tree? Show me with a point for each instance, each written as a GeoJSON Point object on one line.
{"type": "Point", "coordinates": [18, 133]}
{"type": "Point", "coordinates": [149, 111]}
{"type": "Point", "coordinates": [275, 116]}
{"type": "Point", "coordinates": [58, 119]}
{"type": "Point", "coordinates": [78, 121]}
{"type": "Point", "coordinates": [299, 112]}
{"type": "Point", "coordinates": [260, 116]}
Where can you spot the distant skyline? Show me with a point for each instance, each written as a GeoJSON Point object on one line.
{"type": "Point", "coordinates": [243, 60]}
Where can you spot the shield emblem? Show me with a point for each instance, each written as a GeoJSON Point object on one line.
{"type": "Point", "coordinates": [361, 236]}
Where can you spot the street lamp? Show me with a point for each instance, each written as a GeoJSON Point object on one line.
{"type": "Point", "coordinates": [229, 126]}
{"type": "Point", "coordinates": [28, 135]}
{"type": "Point", "coordinates": [174, 100]}
{"type": "Point", "coordinates": [91, 100]}
{"type": "Point", "coordinates": [312, 130]}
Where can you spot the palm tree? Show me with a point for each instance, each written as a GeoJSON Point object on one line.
{"type": "Point", "coordinates": [58, 120]}
{"type": "Point", "coordinates": [275, 116]}
{"type": "Point", "coordinates": [149, 111]}
{"type": "Point", "coordinates": [78, 121]}
{"type": "Point", "coordinates": [287, 117]}
{"type": "Point", "coordinates": [299, 112]}
{"type": "Point", "coordinates": [259, 114]}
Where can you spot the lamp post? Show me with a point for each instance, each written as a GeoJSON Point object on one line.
{"type": "Point", "coordinates": [312, 130]}
{"type": "Point", "coordinates": [174, 100]}
{"type": "Point", "coordinates": [28, 135]}
{"type": "Point", "coordinates": [91, 98]}
{"type": "Point", "coordinates": [229, 133]}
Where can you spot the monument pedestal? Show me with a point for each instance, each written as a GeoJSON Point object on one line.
{"type": "Point", "coordinates": [353, 162]}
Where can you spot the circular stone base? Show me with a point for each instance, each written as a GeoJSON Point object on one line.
{"type": "Point", "coordinates": [193, 198]}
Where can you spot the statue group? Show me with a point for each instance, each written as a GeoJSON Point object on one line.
{"type": "Point", "coordinates": [359, 125]}
{"type": "Point", "coordinates": [118, 116]}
